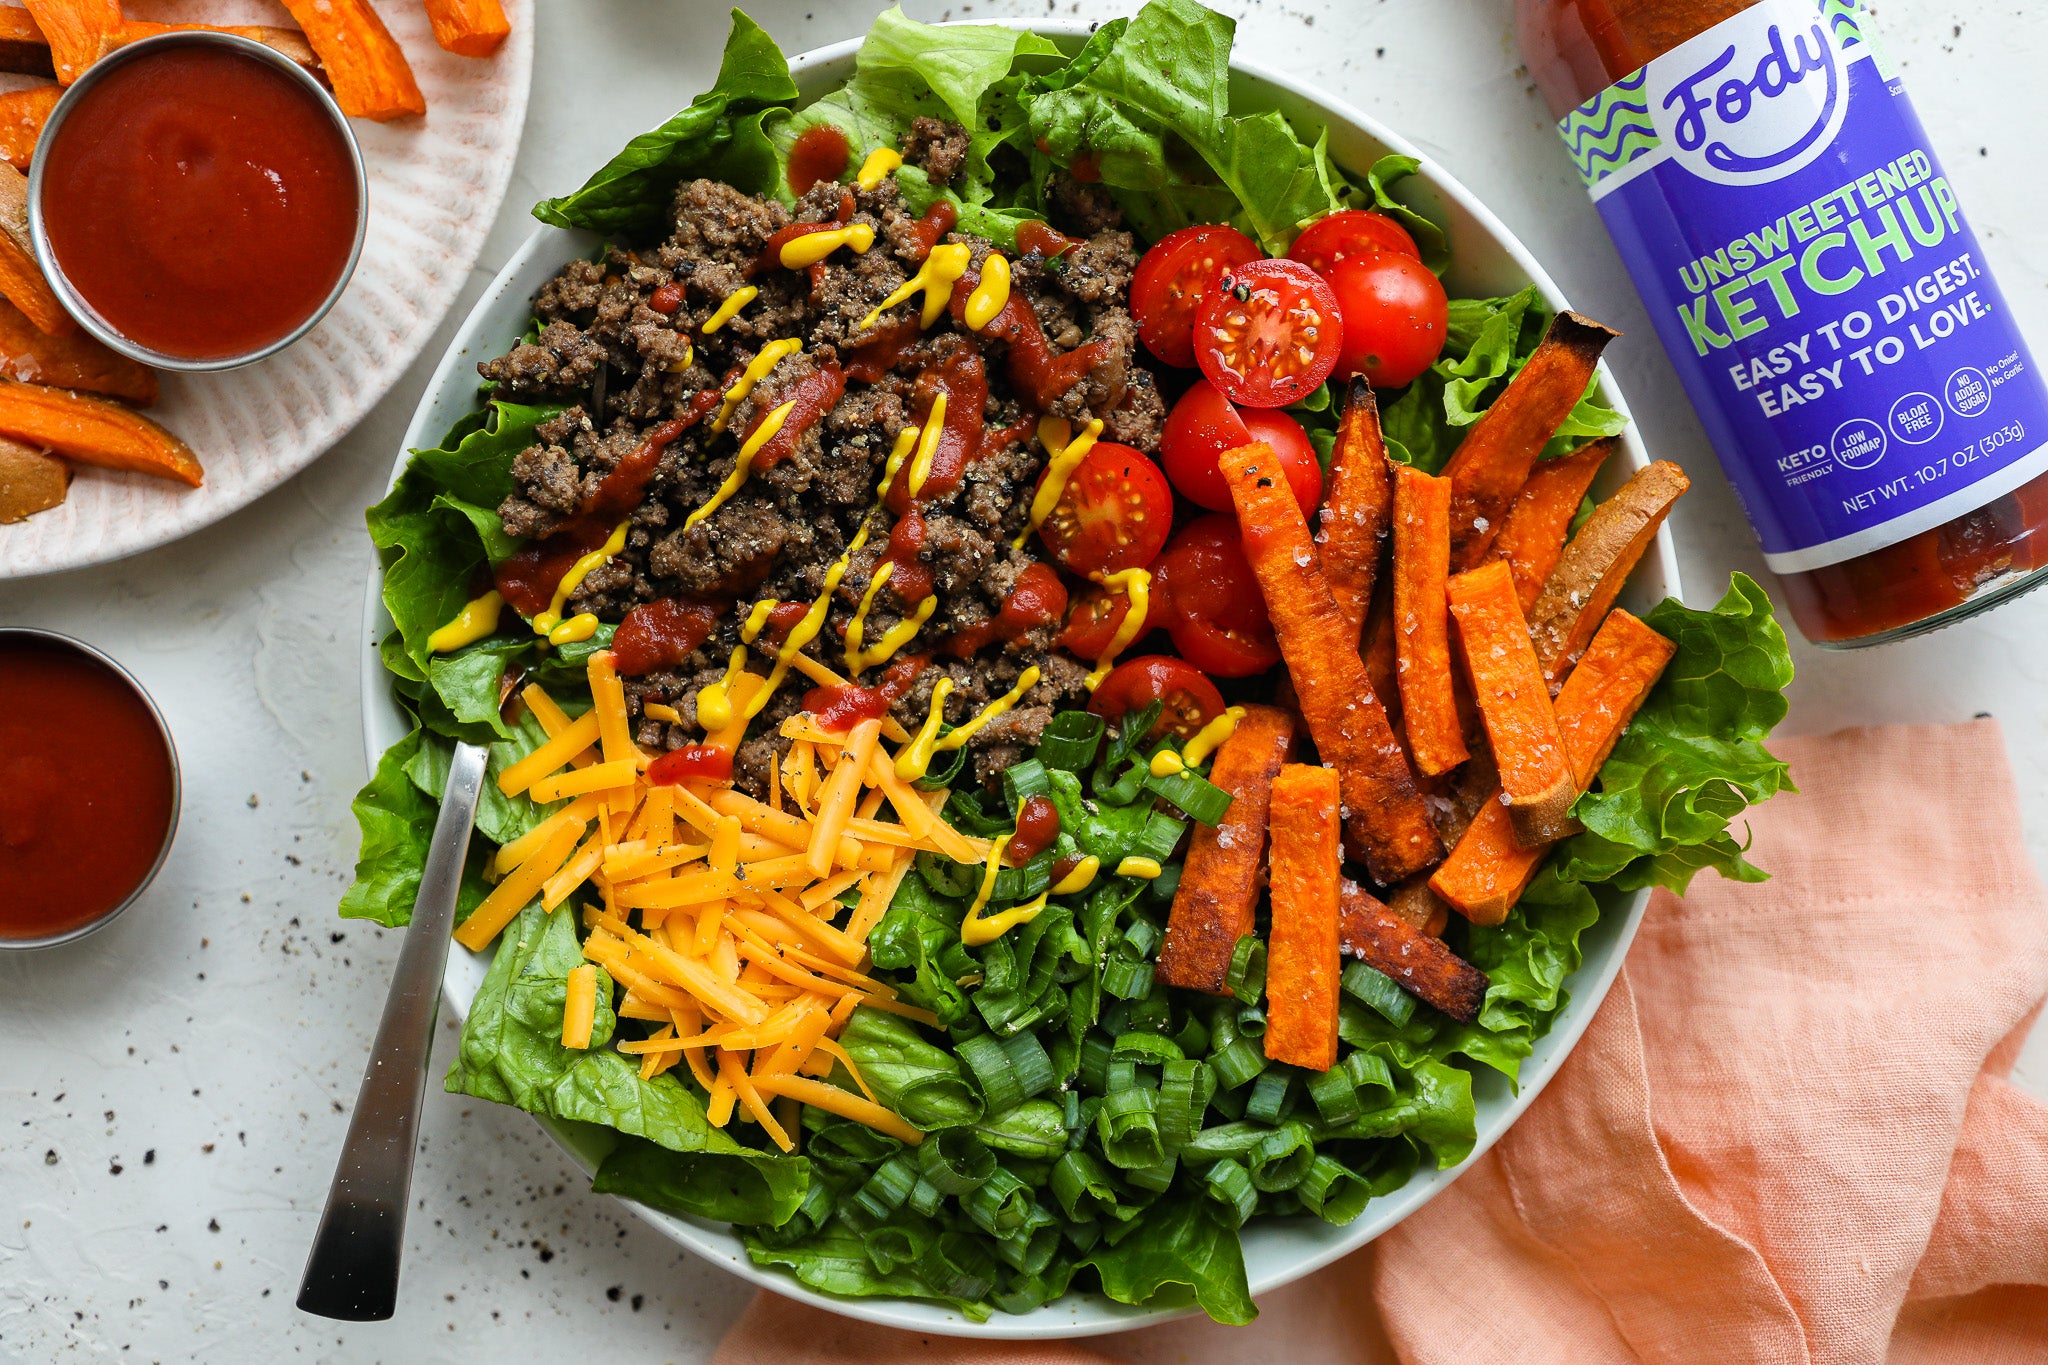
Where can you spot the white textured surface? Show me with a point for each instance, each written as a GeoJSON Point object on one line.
{"type": "Point", "coordinates": [434, 184]}
{"type": "Point", "coordinates": [246, 632]}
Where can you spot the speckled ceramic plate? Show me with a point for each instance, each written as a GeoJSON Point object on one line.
{"type": "Point", "coordinates": [435, 186]}
{"type": "Point", "coordinates": [1487, 260]}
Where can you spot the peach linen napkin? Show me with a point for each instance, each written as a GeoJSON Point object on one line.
{"type": "Point", "coordinates": [1787, 1135]}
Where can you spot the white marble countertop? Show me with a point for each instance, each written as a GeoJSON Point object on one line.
{"type": "Point", "coordinates": [172, 1091]}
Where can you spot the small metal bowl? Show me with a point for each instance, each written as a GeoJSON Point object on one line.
{"type": "Point", "coordinates": [13, 633]}
{"type": "Point", "coordinates": [75, 303]}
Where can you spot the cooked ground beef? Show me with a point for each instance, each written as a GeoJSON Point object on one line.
{"type": "Point", "coordinates": [620, 345]}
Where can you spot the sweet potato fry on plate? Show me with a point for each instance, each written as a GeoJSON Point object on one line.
{"type": "Point", "coordinates": [1353, 532]}
{"type": "Point", "coordinates": [1493, 461]}
{"type": "Point", "coordinates": [1514, 702]}
{"type": "Point", "coordinates": [1386, 823]}
{"type": "Point", "coordinates": [1590, 573]}
{"type": "Point", "coordinates": [1302, 962]}
{"type": "Point", "coordinates": [468, 28]}
{"type": "Point", "coordinates": [21, 279]}
{"type": "Point", "coordinates": [286, 42]}
{"type": "Point", "coordinates": [1414, 960]}
{"type": "Point", "coordinates": [93, 431]}
{"type": "Point", "coordinates": [1541, 518]}
{"type": "Point", "coordinates": [22, 116]}
{"type": "Point", "coordinates": [76, 31]}
{"type": "Point", "coordinates": [1488, 869]}
{"type": "Point", "coordinates": [24, 50]}
{"type": "Point", "coordinates": [31, 481]}
{"type": "Point", "coordinates": [368, 70]}
{"type": "Point", "coordinates": [1422, 642]}
{"type": "Point", "coordinates": [76, 361]}
{"type": "Point", "coordinates": [1218, 894]}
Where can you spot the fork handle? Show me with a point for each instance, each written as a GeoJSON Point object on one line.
{"type": "Point", "coordinates": [352, 1273]}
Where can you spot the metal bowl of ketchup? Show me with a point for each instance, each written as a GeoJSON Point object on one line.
{"type": "Point", "coordinates": [197, 201]}
{"type": "Point", "coordinates": [89, 789]}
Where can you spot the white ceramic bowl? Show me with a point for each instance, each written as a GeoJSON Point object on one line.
{"type": "Point", "coordinates": [1486, 260]}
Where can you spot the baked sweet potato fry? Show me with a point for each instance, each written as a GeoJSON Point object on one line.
{"type": "Point", "coordinates": [1419, 907]}
{"type": "Point", "coordinates": [1353, 532]}
{"type": "Point", "coordinates": [1592, 569]}
{"type": "Point", "coordinates": [76, 31]}
{"type": "Point", "coordinates": [21, 279]}
{"type": "Point", "coordinates": [70, 362]}
{"type": "Point", "coordinates": [468, 28]}
{"type": "Point", "coordinates": [1534, 534]}
{"type": "Point", "coordinates": [1494, 460]}
{"type": "Point", "coordinates": [367, 69]}
{"type": "Point", "coordinates": [24, 50]}
{"type": "Point", "coordinates": [1513, 702]}
{"type": "Point", "coordinates": [1387, 825]}
{"type": "Point", "coordinates": [1416, 961]}
{"type": "Point", "coordinates": [1218, 895]}
{"type": "Point", "coordinates": [1488, 870]}
{"type": "Point", "coordinates": [22, 116]}
{"type": "Point", "coordinates": [1302, 963]}
{"type": "Point", "coordinates": [1422, 638]}
{"type": "Point", "coordinates": [1377, 651]}
{"type": "Point", "coordinates": [31, 481]}
{"type": "Point", "coordinates": [93, 431]}
{"type": "Point", "coordinates": [286, 42]}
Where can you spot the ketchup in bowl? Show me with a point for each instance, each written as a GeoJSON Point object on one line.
{"type": "Point", "coordinates": [199, 199]}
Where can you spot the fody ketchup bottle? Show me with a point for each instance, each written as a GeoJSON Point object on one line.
{"type": "Point", "coordinates": [1821, 294]}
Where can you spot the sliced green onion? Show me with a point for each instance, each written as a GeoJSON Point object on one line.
{"type": "Point", "coordinates": [1333, 1190]}
{"type": "Point", "coordinates": [946, 771]}
{"type": "Point", "coordinates": [811, 1212]}
{"type": "Point", "coordinates": [886, 1189]}
{"type": "Point", "coordinates": [1082, 1236]}
{"type": "Point", "coordinates": [1095, 1055]}
{"type": "Point", "coordinates": [1124, 790]}
{"type": "Point", "coordinates": [1193, 1036]}
{"type": "Point", "coordinates": [1251, 1021]}
{"type": "Point", "coordinates": [1022, 883]}
{"type": "Point", "coordinates": [1123, 1075]}
{"type": "Point", "coordinates": [1370, 986]}
{"type": "Point", "coordinates": [1268, 1102]}
{"type": "Point", "coordinates": [999, 1204]}
{"type": "Point", "coordinates": [1230, 1185]}
{"type": "Point", "coordinates": [1116, 1017]}
{"type": "Point", "coordinates": [926, 1197]}
{"type": "Point", "coordinates": [1152, 1012]}
{"type": "Point", "coordinates": [955, 1267]}
{"type": "Point", "coordinates": [1198, 798]}
{"type": "Point", "coordinates": [1081, 1186]}
{"type": "Point", "coordinates": [1237, 1063]}
{"type": "Point", "coordinates": [1022, 781]}
{"type": "Point", "coordinates": [1035, 1130]}
{"type": "Point", "coordinates": [1282, 1157]}
{"type": "Point", "coordinates": [1131, 732]}
{"type": "Point", "coordinates": [1369, 1068]}
{"type": "Point", "coordinates": [1145, 1048]}
{"type": "Point", "coordinates": [1246, 976]}
{"type": "Point", "coordinates": [1073, 1111]}
{"type": "Point", "coordinates": [954, 1161]}
{"type": "Point", "coordinates": [1156, 1178]}
{"type": "Point", "coordinates": [1030, 1064]}
{"type": "Point", "coordinates": [1126, 979]}
{"type": "Point", "coordinates": [1160, 836]}
{"type": "Point", "coordinates": [944, 876]}
{"type": "Point", "coordinates": [888, 1248]}
{"type": "Point", "coordinates": [966, 813]}
{"type": "Point", "coordinates": [1335, 1095]}
{"type": "Point", "coordinates": [1143, 936]}
{"type": "Point", "coordinates": [955, 961]}
{"type": "Point", "coordinates": [1128, 1124]}
{"type": "Point", "coordinates": [985, 1057]}
{"type": "Point", "coordinates": [1229, 1103]}
{"type": "Point", "coordinates": [1029, 1248]}
{"type": "Point", "coordinates": [1069, 741]}
{"type": "Point", "coordinates": [1160, 889]}
{"type": "Point", "coordinates": [1224, 1140]}
{"type": "Point", "coordinates": [1185, 1088]}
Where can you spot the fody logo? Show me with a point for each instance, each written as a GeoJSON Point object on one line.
{"type": "Point", "coordinates": [1752, 100]}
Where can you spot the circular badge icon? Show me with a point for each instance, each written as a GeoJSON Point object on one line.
{"type": "Point", "coordinates": [1968, 392]}
{"type": "Point", "coordinates": [1858, 443]}
{"type": "Point", "coordinates": [1916, 418]}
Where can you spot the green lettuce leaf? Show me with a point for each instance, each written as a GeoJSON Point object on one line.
{"type": "Point", "coordinates": [922, 1083]}
{"type": "Point", "coordinates": [723, 135]}
{"type": "Point", "coordinates": [397, 820]}
{"type": "Point", "coordinates": [1180, 1250]}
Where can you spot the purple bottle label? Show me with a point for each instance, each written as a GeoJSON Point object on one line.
{"type": "Point", "coordinates": [1815, 282]}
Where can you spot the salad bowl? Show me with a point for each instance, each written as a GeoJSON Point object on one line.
{"type": "Point", "coordinates": [1487, 260]}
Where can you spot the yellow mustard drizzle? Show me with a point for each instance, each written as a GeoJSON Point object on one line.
{"type": "Point", "coordinates": [1135, 584]}
{"type": "Point", "coordinates": [856, 629]}
{"type": "Point", "coordinates": [975, 931]}
{"type": "Point", "coordinates": [880, 165]}
{"type": "Point", "coordinates": [477, 619]}
{"type": "Point", "coordinates": [685, 360]}
{"type": "Point", "coordinates": [1210, 736]}
{"type": "Point", "coordinates": [806, 630]}
{"type": "Point", "coordinates": [928, 444]}
{"type": "Point", "coordinates": [814, 247]}
{"type": "Point", "coordinates": [577, 628]}
{"type": "Point", "coordinates": [899, 635]}
{"type": "Point", "coordinates": [743, 465]}
{"type": "Point", "coordinates": [972, 923]}
{"type": "Point", "coordinates": [730, 309]}
{"type": "Point", "coordinates": [771, 355]}
{"type": "Point", "coordinates": [947, 262]}
{"type": "Point", "coordinates": [1166, 763]}
{"type": "Point", "coordinates": [990, 295]}
{"type": "Point", "coordinates": [914, 759]}
{"type": "Point", "coordinates": [906, 441]}
{"type": "Point", "coordinates": [714, 703]}
{"type": "Point", "coordinates": [967, 729]}
{"type": "Point", "coordinates": [1080, 879]}
{"type": "Point", "coordinates": [1066, 451]}
{"type": "Point", "coordinates": [1147, 868]}
{"type": "Point", "coordinates": [545, 623]}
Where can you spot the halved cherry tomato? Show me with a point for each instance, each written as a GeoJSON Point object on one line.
{"type": "Point", "coordinates": [1216, 614]}
{"type": "Point", "coordinates": [1192, 701]}
{"type": "Point", "coordinates": [1394, 314]}
{"type": "Point", "coordinates": [1350, 232]}
{"type": "Point", "coordinates": [1269, 333]}
{"type": "Point", "coordinates": [1172, 280]}
{"type": "Point", "coordinates": [1098, 613]}
{"type": "Point", "coordinates": [1115, 513]}
{"type": "Point", "coordinates": [1204, 424]}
